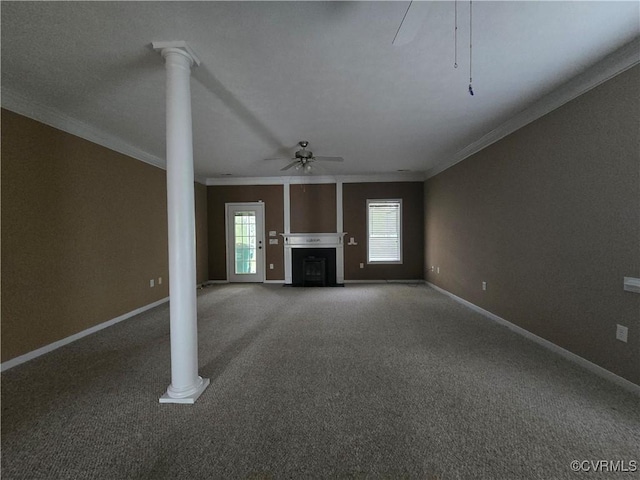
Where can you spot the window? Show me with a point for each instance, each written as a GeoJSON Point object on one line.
{"type": "Point", "coordinates": [384, 227]}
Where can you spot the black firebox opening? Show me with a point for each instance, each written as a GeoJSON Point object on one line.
{"type": "Point", "coordinates": [313, 267]}
{"type": "Point", "coordinates": [314, 272]}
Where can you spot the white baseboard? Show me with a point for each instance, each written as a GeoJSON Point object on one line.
{"type": "Point", "coordinates": [583, 362]}
{"type": "Point", "coordinates": [414, 281]}
{"type": "Point", "coordinates": [365, 281]}
{"type": "Point", "coordinates": [65, 341]}
{"type": "Point", "coordinates": [222, 282]}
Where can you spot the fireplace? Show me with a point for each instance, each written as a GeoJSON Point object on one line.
{"type": "Point", "coordinates": [317, 249]}
{"type": "Point", "coordinates": [313, 267]}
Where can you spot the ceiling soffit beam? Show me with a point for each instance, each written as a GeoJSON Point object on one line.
{"type": "Point", "coordinates": [315, 179]}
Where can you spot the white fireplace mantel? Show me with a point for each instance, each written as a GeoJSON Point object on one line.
{"type": "Point", "coordinates": [314, 240]}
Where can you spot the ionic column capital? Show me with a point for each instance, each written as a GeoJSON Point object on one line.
{"type": "Point", "coordinates": [179, 47]}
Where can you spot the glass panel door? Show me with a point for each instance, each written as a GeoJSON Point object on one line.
{"type": "Point", "coordinates": [245, 239]}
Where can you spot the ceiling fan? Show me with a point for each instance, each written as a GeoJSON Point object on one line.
{"type": "Point", "coordinates": [303, 159]}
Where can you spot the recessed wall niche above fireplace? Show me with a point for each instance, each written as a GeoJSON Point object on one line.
{"type": "Point", "coordinates": [314, 259]}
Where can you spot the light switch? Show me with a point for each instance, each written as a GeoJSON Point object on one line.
{"type": "Point", "coordinates": [273, 241]}
{"type": "Point", "coordinates": [622, 333]}
{"type": "Point", "coordinates": [272, 233]}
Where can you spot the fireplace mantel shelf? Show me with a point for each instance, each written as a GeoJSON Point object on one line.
{"type": "Point", "coordinates": [313, 239]}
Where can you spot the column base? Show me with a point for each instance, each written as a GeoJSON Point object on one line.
{"type": "Point", "coordinates": [189, 399]}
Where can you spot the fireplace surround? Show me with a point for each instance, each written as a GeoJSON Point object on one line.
{"type": "Point", "coordinates": [298, 246]}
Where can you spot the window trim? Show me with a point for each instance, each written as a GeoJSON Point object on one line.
{"type": "Point", "coordinates": [400, 232]}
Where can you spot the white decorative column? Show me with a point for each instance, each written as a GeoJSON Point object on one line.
{"type": "Point", "coordinates": [186, 385]}
{"type": "Point", "coordinates": [340, 230]}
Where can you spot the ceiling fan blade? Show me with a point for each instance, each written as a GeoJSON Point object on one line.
{"type": "Point", "coordinates": [277, 158]}
{"type": "Point", "coordinates": [295, 162]}
{"type": "Point", "coordinates": [411, 22]}
{"type": "Point", "coordinates": [329, 159]}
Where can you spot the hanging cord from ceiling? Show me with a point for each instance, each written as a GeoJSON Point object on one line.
{"type": "Point", "coordinates": [455, 35]}
{"type": "Point", "coordinates": [455, 42]}
{"type": "Point", "coordinates": [470, 47]}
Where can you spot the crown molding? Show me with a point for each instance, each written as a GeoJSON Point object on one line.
{"type": "Point", "coordinates": [316, 179]}
{"type": "Point", "coordinates": [56, 119]}
{"type": "Point", "coordinates": [622, 59]}
{"type": "Point", "coordinates": [383, 177]}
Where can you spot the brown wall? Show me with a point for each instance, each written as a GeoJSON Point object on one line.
{"type": "Point", "coordinates": [313, 208]}
{"type": "Point", "coordinates": [84, 229]}
{"type": "Point", "coordinates": [273, 198]}
{"type": "Point", "coordinates": [549, 218]}
{"type": "Point", "coordinates": [354, 197]}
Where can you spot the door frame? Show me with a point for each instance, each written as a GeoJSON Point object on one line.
{"type": "Point", "coordinates": [230, 252]}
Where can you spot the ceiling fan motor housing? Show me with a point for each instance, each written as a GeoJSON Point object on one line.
{"type": "Point", "coordinates": [304, 154]}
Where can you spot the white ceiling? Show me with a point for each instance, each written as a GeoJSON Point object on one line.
{"type": "Point", "coordinates": [274, 73]}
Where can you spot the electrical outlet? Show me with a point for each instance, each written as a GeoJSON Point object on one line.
{"type": "Point", "coordinates": [152, 283]}
{"type": "Point", "coordinates": [159, 280]}
{"type": "Point", "coordinates": [271, 266]}
{"type": "Point", "coordinates": [484, 285]}
{"type": "Point", "coordinates": [621, 333]}
{"type": "Point", "coordinates": [362, 265]}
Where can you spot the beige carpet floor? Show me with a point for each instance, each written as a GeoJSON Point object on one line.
{"type": "Point", "coordinates": [367, 381]}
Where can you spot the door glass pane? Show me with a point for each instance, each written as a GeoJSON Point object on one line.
{"type": "Point", "coordinates": [245, 242]}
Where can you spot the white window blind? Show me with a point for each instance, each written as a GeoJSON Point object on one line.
{"type": "Point", "coordinates": [384, 231]}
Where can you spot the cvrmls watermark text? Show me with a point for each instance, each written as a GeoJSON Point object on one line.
{"type": "Point", "coordinates": [621, 466]}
